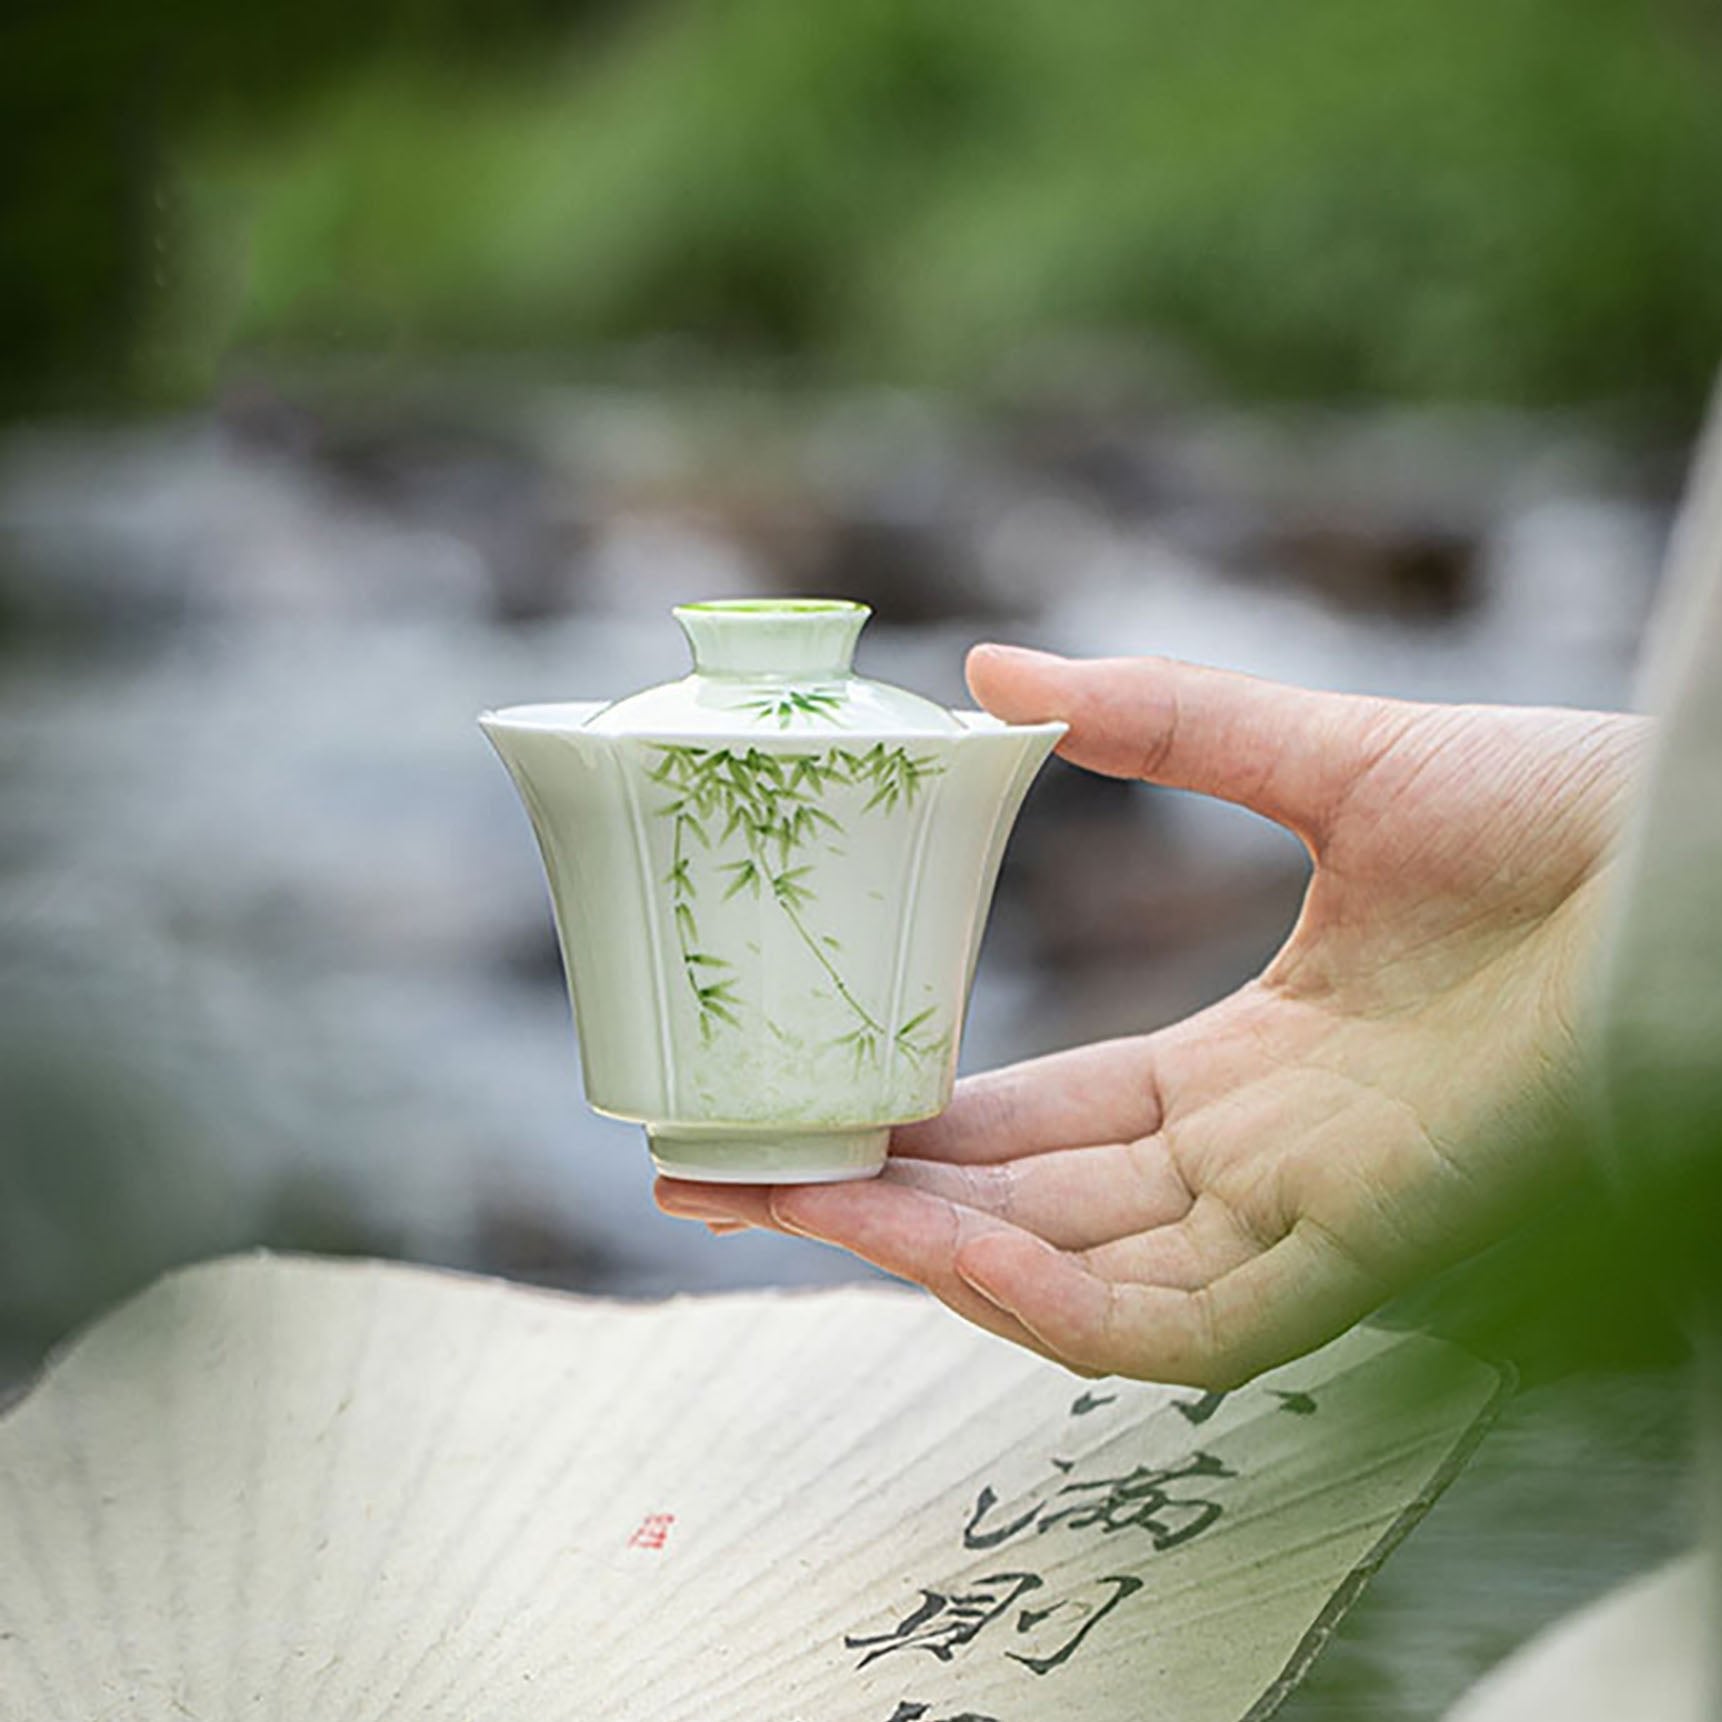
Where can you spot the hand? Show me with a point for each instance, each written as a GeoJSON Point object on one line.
{"type": "Point", "coordinates": [1199, 1204]}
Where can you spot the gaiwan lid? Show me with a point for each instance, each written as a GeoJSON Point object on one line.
{"type": "Point", "coordinates": [773, 665]}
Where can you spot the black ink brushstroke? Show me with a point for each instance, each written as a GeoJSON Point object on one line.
{"type": "Point", "coordinates": [1087, 1402]}
{"type": "Point", "coordinates": [1127, 1586]}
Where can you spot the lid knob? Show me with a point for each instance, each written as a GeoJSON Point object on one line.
{"type": "Point", "coordinates": [799, 637]}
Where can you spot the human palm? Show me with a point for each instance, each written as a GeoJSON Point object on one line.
{"type": "Point", "coordinates": [1203, 1202]}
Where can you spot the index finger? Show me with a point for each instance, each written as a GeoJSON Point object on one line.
{"type": "Point", "coordinates": [1286, 752]}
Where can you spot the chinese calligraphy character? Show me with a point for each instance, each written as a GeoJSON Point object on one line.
{"type": "Point", "coordinates": [1074, 1609]}
{"type": "Point", "coordinates": [1142, 1499]}
{"type": "Point", "coordinates": [941, 1624]}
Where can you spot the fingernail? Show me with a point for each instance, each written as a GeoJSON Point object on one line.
{"type": "Point", "coordinates": [692, 1208]}
{"type": "Point", "coordinates": [973, 1275]}
{"type": "Point", "coordinates": [787, 1224]}
{"type": "Point", "coordinates": [1028, 654]}
{"type": "Point", "coordinates": [981, 1291]}
{"type": "Point", "coordinates": [725, 1228]}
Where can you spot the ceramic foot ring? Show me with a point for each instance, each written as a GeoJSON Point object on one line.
{"type": "Point", "coordinates": [722, 1154]}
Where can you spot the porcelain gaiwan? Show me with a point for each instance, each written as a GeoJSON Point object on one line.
{"type": "Point", "coordinates": [770, 880]}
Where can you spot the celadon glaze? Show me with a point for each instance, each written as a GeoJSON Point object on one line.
{"type": "Point", "coordinates": [770, 880]}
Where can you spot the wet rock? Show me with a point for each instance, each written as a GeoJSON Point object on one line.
{"type": "Point", "coordinates": [910, 572]}
{"type": "Point", "coordinates": [165, 523]}
{"type": "Point", "coordinates": [444, 470]}
{"type": "Point", "coordinates": [517, 1237]}
{"type": "Point", "coordinates": [1409, 569]}
{"type": "Point", "coordinates": [1383, 513]}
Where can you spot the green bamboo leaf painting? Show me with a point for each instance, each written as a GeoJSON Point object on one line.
{"type": "Point", "coordinates": [771, 809]}
{"type": "Point", "coordinates": [793, 703]}
{"type": "Point", "coordinates": [745, 878]}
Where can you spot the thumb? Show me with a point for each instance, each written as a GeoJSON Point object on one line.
{"type": "Point", "coordinates": [1288, 753]}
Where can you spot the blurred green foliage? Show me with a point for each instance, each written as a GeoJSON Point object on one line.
{"type": "Point", "coordinates": [96, 99]}
{"type": "Point", "coordinates": [1516, 199]}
